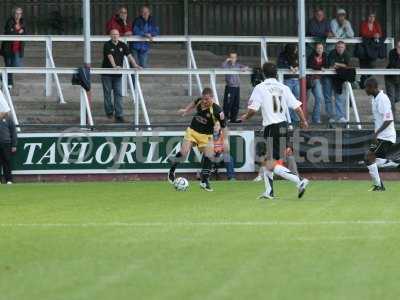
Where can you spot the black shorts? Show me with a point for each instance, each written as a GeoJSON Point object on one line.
{"type": "Point", "coordinates": [278, 140]}
{"type": "Point", "coordinates": [381, 149]}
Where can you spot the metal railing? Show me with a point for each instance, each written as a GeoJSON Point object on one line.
{"type": "Point", "coordinates": [263, 41]}
{"type": "Point", "coordinates": [138, 97]}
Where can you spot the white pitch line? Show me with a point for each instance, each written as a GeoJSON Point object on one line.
{"type": "Point", "coordinates": [206, 224]}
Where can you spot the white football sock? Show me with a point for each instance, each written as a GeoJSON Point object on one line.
{"type": "Point", "coordinates": [373, 171]}
{"type": "Point", "coordinates": [268, 181]}
{"type": "Point", "coordinates": [286, 174]}
{"type": "Point", "coordinates": [385, 163]}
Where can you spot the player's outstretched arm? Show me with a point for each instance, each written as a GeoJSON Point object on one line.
{"type": "Point", "coordinates": [248, 115]}
{"type": "Point", "coordinates": [187, 110]}
{"type": "Point", "coordinates": [303, 120]}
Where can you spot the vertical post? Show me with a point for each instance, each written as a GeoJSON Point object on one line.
{"type": "Point", "coordinates": [49, 77]}
{"type": "Point", "coordinates": [189, 65]}
{"type": "Point", "coordinates": [302, 53]}
{"type": "Point", "coordinates": [389, 19]}
{"type": "Point", "coordinates": [87, 57]}
{"type": "Point", "coordinates": [137, 83]}
{"type": "Point", "coordinates": [125, 65]}
{"type": "Point", "coordinates": [213, 81]}
{"type": "Point", "coordinates": [83, 107]}
{"type": "Point", "coordinates": [263, 50]}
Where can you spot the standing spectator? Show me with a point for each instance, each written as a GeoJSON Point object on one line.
{"type": "Point", "coordinates": [372, 30]}
{"type": "Point", "coordinates": [144, 26]}
{"type": "Point", "coordinates": [289, 59]}
{"type": "Point", "coordinates": [338, 58]}
{"type": "Point", "coordinates": [232, 88]}
{"type": "Point", "coordinates": [340, 26]}
{"type": "Point", "coordinates": [221, 151]}
{"type": "Point", "coordinates": [114, 52]}
{"type": "Point", "coordinates": [13, 51]}
{"type": "Point", "coordinates": [8, 140]}
{"type": "Point", "coordinates": [393, 81]}
{"type": "Point", "coordinates": [120, 22]}
{"type": "Point", "coordinates": [319, 84]}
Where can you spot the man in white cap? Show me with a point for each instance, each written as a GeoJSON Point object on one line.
{"type": "Point", "coordinates": [8, 139]}
{"type": "Point", "coordinates": [340, 26]}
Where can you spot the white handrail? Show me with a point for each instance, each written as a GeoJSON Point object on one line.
{"type": "Point", "coordinates": [50, 61]}
{"type": "Point", "coordinates": [181, 38]}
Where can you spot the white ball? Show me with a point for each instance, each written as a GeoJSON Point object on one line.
{"type": "Point", "coordinates": [181, 184]}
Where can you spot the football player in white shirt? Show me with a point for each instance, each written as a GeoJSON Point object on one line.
{"type": "Point", "coordinates": [385, 134]}
{"type": "Point", "coordinates": [274, 99]}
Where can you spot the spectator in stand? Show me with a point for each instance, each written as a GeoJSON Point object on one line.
{"type": "Point", "coordinates": [393, 81]}
{"type": "Point", "coordinates": [120, 22]}
{"type": "Point", "coordinates": [232, 88]}
{"type": "Point", "coordinates": [369, 29]}
{"type": "Point", "coordinates": [8, 140]}
{"type": "Point", "coordinates": [340, 26]}
{"type": "Point", "coordinates": [319, 85]}
{"type": "Point", "coordinates": [13, 51]}
{"type": "Point", "coordinates": [221, 151]}
{"type": "Point", "coordinates": [114, 52]}
{"type": "Point", "coordinates": [338, 58]}
{"type": "Point", "coordinates": [144, 26]}
{"type": "Point", "coordinates": [289, 59]}
{"type": "Point", "coordinates": [319, 26]}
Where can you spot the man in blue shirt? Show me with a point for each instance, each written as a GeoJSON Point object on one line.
{"type": "Point", "coordinates": [144, 26]}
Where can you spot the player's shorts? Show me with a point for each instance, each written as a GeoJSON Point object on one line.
{"type": "Point", "coordinates": [277, 138]}
{"type": "Point", "coordinates": [381, 149]}
{"type": "Point", "coordinates": [201, 140]}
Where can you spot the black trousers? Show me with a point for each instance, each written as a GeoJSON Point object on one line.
{"type": "Point", "coordinates": [5, 161]}
{"type": "Point", "coordinates": [231, 102]}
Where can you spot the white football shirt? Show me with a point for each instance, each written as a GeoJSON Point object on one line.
{"type": "Point", "coordinates": [274, 99]}
{"type": "Point", "coordinates": [382, 111]}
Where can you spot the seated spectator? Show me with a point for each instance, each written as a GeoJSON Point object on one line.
{"type": "Point", "coordinates": [393, 81]}
{"type": "Point", "coordinates": [289, 59]}
{"type": "Point", "coordinates": [340, 26]}
{"type": "Point", "coordinates": [338, 58]}
{"type": "Point", "coordinates": [319, 26]}
{"type": "Point", "coordinates": [8, 140]}
{"type": "Point", "coordinates": [369, 29]}
{"type": "Point", "coordinates": [114, 52]}
{"type": "Point", "coordinates": [144, 26]}
{"type": "Point", "coordinates": [120, 22]}
{"type": "Point", "coordinates": [319, 84]}
{"type": "Point", "coordinates": [13, 51]}
{"type": "Point", "coordinates": [232, 88]}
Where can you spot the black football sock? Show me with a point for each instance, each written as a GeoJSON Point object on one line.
{"type": "Point", "coordinates": [175, 161]}
{"type": "Point", "coordinates": [205, 168]}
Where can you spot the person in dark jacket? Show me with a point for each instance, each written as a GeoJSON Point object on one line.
{"type": "Point", "coordinates": [339, 58]}
{"type": "Point", "coordinates": [319, 84]}
{"type": "Point", "coordinates": [120, 22]}
{"type": "Point", "coordinates": [144, 26]}
{"type": "Point", "coordinates": [289, 59]}
{"type": "Point", "coordinates": [13, 51]}
{"type": "Point", "coordinates": [8, 140]}
{"type": "Point", "coordinates": [393, 81]}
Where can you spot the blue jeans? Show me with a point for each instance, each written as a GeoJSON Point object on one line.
{"type": "Point", "coordinates": [340, 100]}
{"type": "Point", "coordinates": [293, 84]}
{"type": "Point", "coordinates": [14, 61]}
{"type": "Point", "coordinates": [227, 160]}
{"type": "Point", "coordinates": [141, 57]}
{"type": "Point", "coordinates": [112, 84]}
{"type": "Point", "coordinates": [322, 91]}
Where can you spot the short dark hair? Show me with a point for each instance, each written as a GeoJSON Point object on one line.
{"type": "Point", "coordinates": [340, 42]}
{"type": "Point", "coordinates": [270, 70]}
{"type": "Point", "coordinates": [207, 91]}
{"type": "Point", "coordinates": [372, 82]}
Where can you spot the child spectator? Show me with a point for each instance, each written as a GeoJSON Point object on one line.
{"type": "Point", "coordinates": [232, 88]}
{"type": "Point", "coordinates": [221, 150]}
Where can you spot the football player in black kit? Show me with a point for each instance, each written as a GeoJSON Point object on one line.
{"type": "Point", "coordinates": [199, 134]}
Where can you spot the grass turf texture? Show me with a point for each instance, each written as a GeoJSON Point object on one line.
{"type": "Point", "coordinates": [143, 240]}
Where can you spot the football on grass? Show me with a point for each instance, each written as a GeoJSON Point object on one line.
{"type": "Point", "coordinates": [181, 184]}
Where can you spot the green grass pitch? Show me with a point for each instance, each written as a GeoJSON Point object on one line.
{"type": "Point", "coordinates": [143, 240]}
